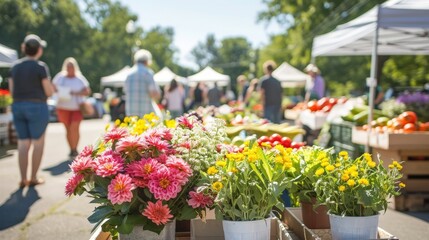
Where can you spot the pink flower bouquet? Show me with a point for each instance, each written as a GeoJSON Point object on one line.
{"type": "Point", "coordinates": [144, 171]}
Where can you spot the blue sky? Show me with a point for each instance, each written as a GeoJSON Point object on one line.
{"type": "Point", "coordinates": [193, 20]}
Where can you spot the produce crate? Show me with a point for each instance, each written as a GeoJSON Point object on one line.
{"type": "Point", "coordinates": [314, 120]}
{"type": "Point", "coordinates": [341, 132]}
{"type": "Point", "coordinates": [293, 219]}
{"type": "Point", "coordinates": [354, 150]}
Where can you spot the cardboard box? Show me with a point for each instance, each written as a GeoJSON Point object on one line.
{"type": "Point", "coordinates": [293, 219]}
{"type": "Point", "coordinates": [314, 120]}
{"type": "Point", "coordinates": [386, 140]}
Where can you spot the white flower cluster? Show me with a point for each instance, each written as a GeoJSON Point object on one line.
{"type": "Point", "coordinates": [199, 145]}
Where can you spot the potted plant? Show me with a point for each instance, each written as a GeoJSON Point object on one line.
{"type": "Point", "coordinates": [246, 185]}
{"type": "Point", "coordinates": [355, 191]}
{"type": "Point", "coordinates": [310, 163]}
{"type": "Point", "coordinates": [5, 100]}
{"type": "Point", "coordinates": [142, 173]}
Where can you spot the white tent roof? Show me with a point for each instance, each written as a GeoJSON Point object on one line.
{"type": "Point", "coordinates": [117, 79]}
{"type": "Point", "coordinates": [7, 56]}
{"type": "Point", "coordinates": [290, 76]}
{"type": "Point", "coordinates": [165, 75]}
{"type": "Point", "coordinates": [209, 75]}
{"type": "Point", "coordinates": [403, 30]}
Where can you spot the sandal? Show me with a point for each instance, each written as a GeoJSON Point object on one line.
{"type": "Point", "coordinates": [36, 182]}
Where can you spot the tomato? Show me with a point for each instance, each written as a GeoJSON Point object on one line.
{"type": "Point", "coordinates": [263, 139]}
{"type": "Point", "coordinates": [333, 101]}
{"type": "Point", "coordinates": [342, 100]}
{"type": "Point", "coordinates": [327, 108]}
{"type": "Point", "coordinates": [408, 117]}
{"type": "Point", "coordinates": [321, 103]}
{"type": "Point", "coordinates": [409, 127]}
{"type": "Point", "coordinates": [275, 143]}
{"type": "Point", "coordinates": [312, 105]}
{"type": "Point", "coordinates": [275, 137]}
{"type": "Point", "coordinates": [297, 145]}
{"type": "Point", "coordinates": [286, 142]}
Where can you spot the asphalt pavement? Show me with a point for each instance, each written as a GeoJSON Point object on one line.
{"type": "Point", "coordinates": [44, 212]}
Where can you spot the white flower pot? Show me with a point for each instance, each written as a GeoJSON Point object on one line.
{"type": "Point", "coordinates": [247, 230]}
{"type": "Point", "coordinates": [353, 228]}
{"type": "Point", "coordinates": [168, 233]}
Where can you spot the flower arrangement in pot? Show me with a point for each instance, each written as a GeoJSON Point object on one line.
{"type": "Point", "coordinates": [357, 190]}
{"type": "Point", "coordinates": [5, 100]}
{"type": "Point", "coordinates": [142, 172]}
{"type": "Point", "coordinates": [309, 164]}
{"type": "Point", "coordinates": [247, 184]}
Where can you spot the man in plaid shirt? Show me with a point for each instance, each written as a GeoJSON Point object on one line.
{"type": "Point", "coordinates": [140, 88]}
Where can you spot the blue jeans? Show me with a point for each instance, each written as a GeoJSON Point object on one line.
{"type": "Point", "coordinates": [272, 113]}
{"type": "Point", "coordinates": [30, 119]}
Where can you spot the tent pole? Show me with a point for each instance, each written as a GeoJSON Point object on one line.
{"type": "Point", "coordinates": [372, 81]}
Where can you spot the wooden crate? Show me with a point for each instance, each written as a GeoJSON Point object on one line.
{"type": "Point", "coordinates": [391, 141]}
{"type": "Point", "coordinates": [410, 202]}
{"type": "Point", "coordinates": [293, 219]}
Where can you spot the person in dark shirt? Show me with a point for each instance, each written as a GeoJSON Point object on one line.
{"type": "Point", "coordinates": [30, 86]}
{"type": "Point", "coordinates": [271, 93]}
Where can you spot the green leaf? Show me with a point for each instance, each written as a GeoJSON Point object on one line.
{"type": "Point", "coordinates": [187, 213]}
{"type": "Point", "coordinates": [99, 200]}
{"type": "Point", "coordinates": [125, 227]}
{"type": "Point", "coordinates": [100, 213]}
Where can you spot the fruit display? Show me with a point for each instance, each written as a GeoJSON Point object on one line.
{"type": "Point", "coordinates": [265, 129]}
{"type": "Point", "coordinates": [276, 139]}
{"type": "Point", "coordinates": [406, 122]}
{"type": "Point", "coordinates": [324, 104]}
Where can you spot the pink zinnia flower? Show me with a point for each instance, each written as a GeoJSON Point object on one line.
{"type": "Point", "coordinates": [157, 144]}
{"type": "Point", "coordinates": [182, 169]}
{"type": "Point", "coordinates": [115, 134]}
{"type": "Point", "coordinates": [119, 189]}
{"type": "Point", "coordinates": [82, 164]}
{"type": "Point", "coordinates": [73, 183]}
{"type": "Point", "coordinates": [164, 185]}
{"type": "Point", "coordinates": [86, 152]}
{"type": "Point", "coordinates": [130, 144]}
{"type": "Point", "coordinates": [158, 213]}
{"type": "Point", "coordinates": [198, 200]}
{"type": "Point", "coordinates": [186, 122]}
{"type": "Point", "coordinates": [109, 163]}
{"type": "Point", "coordinates": [141, 170]}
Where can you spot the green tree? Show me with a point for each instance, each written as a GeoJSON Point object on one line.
{"type": "Point", "coordinates": [206, 53]}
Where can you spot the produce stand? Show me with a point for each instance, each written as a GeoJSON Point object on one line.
{"type": "Point", "coordinates": [314, 120]}
{"type": "Point", "coordinates": [285, 130]}
{"type": "Point", "coordinates": [341, 139]}
{"type": "Point", "coordinates": [293, 219]}
{"type": "Point", "coordinates": [412, 149]}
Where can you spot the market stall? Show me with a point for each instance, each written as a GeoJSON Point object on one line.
{"type": "Point", "coordinates": [209, 76]}
{"type": "Point", "coordinates": [165, 75]}
{"type": "Point", "coordinates": [396, 27]}
{"type": "Point", "coordinates": [289, 76]}
{"type": "Point", "coordinates": [116, 79]}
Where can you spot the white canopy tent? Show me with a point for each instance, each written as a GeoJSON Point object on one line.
{"type": "Point", "coordinates": [165, 75]}
{"type": "Point", "coordinates": [117, 79]}
{"type": "Point", "coordinates": [289, 76]}
{"type": "Point", "coordinates": [7, 56]}
{"type": "Point", "coordinates": [397, 27]}
{"type": "Point", "coordinates": [209, 76]}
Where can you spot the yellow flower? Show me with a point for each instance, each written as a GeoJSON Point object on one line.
{"type": "Point", "coordinates": [324, 164]}
{"type": "Point", "coordinates": [354, 174]}
{"type": "Point", "coordinates": [117, 122]}
{"type": "Point", "coordinates": [212, 170]}
{"type": "Point", "coordinates": [367, 157]}
{"type": "Point", "coordinates": [170, 123]}
{"type": "Point", "coordinates": [391, 166]}
{"type": "Point", "coordinates": [320, 171]}
{"type": "Point", "coordinates": [343, 154]}
{"type": "Point", "coordinates": [337, 164]}
{"type": "Point", "coordinates": [372, 164]}
{"type": "Point", "coordinates": [217, 186]}
{"type": "Point", "coordinates": [233, 170]}
{"type": "Point", "coordinates": [397, 165]}
{"type": "Point", "coordinates": [278, 159]}
{"type": "Point", "coordinates": [401, 185]}
{"type": "Point", "coordinates": [221, 163]}
{"type": "Point", "coordinates": [330, 168]}
{"type": "Point", "coordinates": [345, 177]}
{"type": "Point", "coordinates": [341, 188]}
{"type": "Point", "coordinates": [107, 127]}
{"type": "Point", "coordinates": [252, 158]}
{"type": "Point", "coordinates": [266, 144]}
{"type": "Point", "coordinates": [363, 181]}
{"type": "Point", "coordinates": [127, 120]}
{"type": "Point", "coordinates": [351, 182]}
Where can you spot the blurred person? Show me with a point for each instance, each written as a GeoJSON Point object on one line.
{"type": "Point", "coordinates": [214, 96]}
{"type": "Point", "coordinates": [243, 85]}
{"type": "Point", "coordinates": [315, 85]}
{"type": "Point", "coordinates": [72, 88]}
{"type": "Point", "coordinates": [271, 93]}
{"type": "Point", "coordinates": [140, 88]}
{"type": "Point", "coordinates": [173, 99]}
{"type": "Point", "coordinates": [198, 95]}
{"type": "Point", "coordinates": [30, 86]}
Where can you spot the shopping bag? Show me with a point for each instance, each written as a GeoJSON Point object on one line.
{"type": "Point", "coordinates": [86, 109]}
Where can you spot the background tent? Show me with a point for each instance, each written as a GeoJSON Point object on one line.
{"type": "Point", "coordinates": [117, 79]}
{"type": "Point", "coordinates": [397, 27]}
{"type": "Point", "coordinates": [7, 56]}
{"type": "Point", "coordinates": [208, 75]}
{"type": "Point", "coordinates": [290, 76]}
{"type": "Point", "coordinates": [165, 75]}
